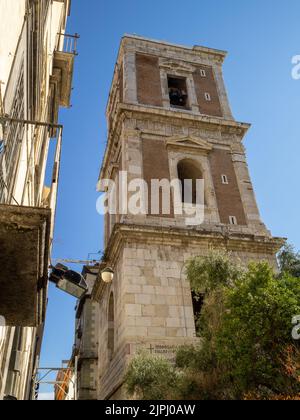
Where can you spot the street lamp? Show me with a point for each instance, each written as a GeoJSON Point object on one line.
{"type": "Point", "coordinates": [68, 281]}
{"type": "Point", "coordinates": [107, 275]}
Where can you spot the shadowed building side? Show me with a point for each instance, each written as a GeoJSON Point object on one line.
{"type": "Point", "coordinates": [36, 71]}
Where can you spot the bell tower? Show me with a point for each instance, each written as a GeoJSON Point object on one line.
{"type": "Point", "coordinates": [169, 119]}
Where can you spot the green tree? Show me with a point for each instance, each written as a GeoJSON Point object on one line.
{"type": "Point", "coordinates": [245, 349]}
{"type": "Point", "coordinates": [151, 378]}
{"type": "Point", "coordinates": [289, 261]}
{"type": "Point", "coordinates": [216, 270]}
{"type": "Point", "coordinates": [256, 332]}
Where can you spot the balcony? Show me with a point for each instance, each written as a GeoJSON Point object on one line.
{"type": "Point", "coordinates": [25, 239]}
{"type": "Point", "coordinates": [63, 68]}
{"type": "Point", "coordinates": [24, 245]}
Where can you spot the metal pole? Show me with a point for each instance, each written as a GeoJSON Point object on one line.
{"type": "Point", "coordinates": [31, 122]}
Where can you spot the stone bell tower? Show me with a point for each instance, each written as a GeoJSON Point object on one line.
{"type": "Point", "coordinates": [169, 118]}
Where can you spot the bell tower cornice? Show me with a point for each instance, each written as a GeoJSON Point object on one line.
{"type": "Point", "coordinates": [125, 112]}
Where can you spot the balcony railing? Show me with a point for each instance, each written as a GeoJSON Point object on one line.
{"type": "Point", "coordinates": [67, 43]}
{"type": "Point", "coordinates": [63, 68]}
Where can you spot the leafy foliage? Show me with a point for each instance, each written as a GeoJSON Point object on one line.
{"type": "Point", "coordinates": [246, 350]}
{"type": "Point", "coordinates": [151, 378]}
{"type": "Point", "coordinates": [289, 261]}
{"type": "Point", "coordinates": [214, 271]}
{"type": "Point", "coordinates": [256, 330]}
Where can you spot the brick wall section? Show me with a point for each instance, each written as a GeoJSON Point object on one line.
{"type": "Point", "coordinates": [204, 85]}
{"type": "Point", "coordinates": [148, 80]}
{"type": "Point", "coordinates": [156, 166]}
{"type": "Point", "coordinates": [228, 196]}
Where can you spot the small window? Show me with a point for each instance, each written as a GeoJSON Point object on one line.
{"type": "Point", "coordinates": [207, 96]}
{"type": "Point", "coordinates": [178, 92]}
{"type": "Point", "coordinates": [225, 180]}
{"type": "Point", "coordinates": [198, 302]}
{"type": "Point", "coordinates": [1, 146]}
{"type": "Point", "coordinates": [111, 327]}
{"type": "Point", "coordinates": [233, 220]}
{"type": "Point", "coordinates": [203, 73]}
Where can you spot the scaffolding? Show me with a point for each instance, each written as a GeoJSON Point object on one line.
{"type": "Point", "coordinates": [61, 385]}
{"type": "Point", "coordinates": [78, 262]}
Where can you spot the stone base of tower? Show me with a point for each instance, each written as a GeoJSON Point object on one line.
{"type": "Point", "coordinates": [153, 306]}
{"type": "Point", "coordinates": [111, 384]}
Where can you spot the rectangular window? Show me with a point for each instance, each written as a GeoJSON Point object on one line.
{"type": "Point", "coordinates": [198, 302]}
{"type": "Point", "coordinates": [225, 180]}
{"type": "Point", "coordinates": [203, 73]}
{"type": "Point", "coordinates": [178, 92]}
{"type": "Point", "coordinates": [233, 220]}
{"type": "Point", "coordinates": [1, 146]}
{"type": "Point", "coordinates": [207, 97]}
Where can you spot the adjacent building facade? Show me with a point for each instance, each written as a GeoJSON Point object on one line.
{"type": "Point", "coordinates": [36, 69]}
{"type": "Point", "coordinates": [85, 352]}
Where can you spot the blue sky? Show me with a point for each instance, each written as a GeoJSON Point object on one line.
{"type": "Point", "coordinates": [261, 38]}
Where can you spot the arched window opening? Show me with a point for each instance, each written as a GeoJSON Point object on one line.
{"type": "Point", "coordinates": [188, 170]}
{"type": "Point", "coordinates": [111, 327]}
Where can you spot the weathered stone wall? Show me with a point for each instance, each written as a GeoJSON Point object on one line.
{"type": "Point", "coordinates": [153, 304]}
{"type": "Point", "coordinates": [86, 339]}
{"type": "Point", "coordinates": [88, 352]}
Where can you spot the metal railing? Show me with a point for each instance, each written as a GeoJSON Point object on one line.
{"type": "Point", "coordinates": [67, 43]}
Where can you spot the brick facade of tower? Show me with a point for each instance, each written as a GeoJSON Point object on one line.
{"type": "Point", "coordinates": [149, 137]}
